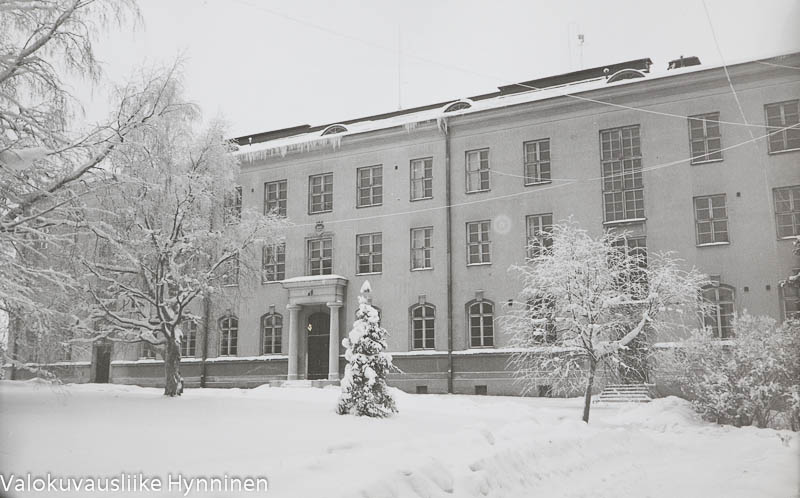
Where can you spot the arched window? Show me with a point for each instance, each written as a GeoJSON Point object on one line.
{"type": "Point", "coordinates": [540, 311]}
{"type": "Point", "coordinates": [271, 330]}
{"type": "Point", "coordinates": [189, 341]}
{"type": "Point", "coordinates": [458, 106]}
{"type": "Point", "coordinates": [423, 317]}
{"type": "Point", "coordinates": [333, 129]}
{"type": "Point", "coordinates": [480, 316]}
{"type": "Point", "coordinates": [229, 335]}
{"type": "Point", "coordinates": [719, 316]}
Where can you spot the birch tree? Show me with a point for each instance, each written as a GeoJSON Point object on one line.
{"type": "Point", "coordinates": [585, 301]}
{"type": "Point", "coordinates": [171, 231]}
{"type": "Point", "coordinates": [48, 161]}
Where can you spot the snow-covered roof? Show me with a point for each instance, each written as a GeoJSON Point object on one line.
{"type": "Point", "coordinates": [307, 140]}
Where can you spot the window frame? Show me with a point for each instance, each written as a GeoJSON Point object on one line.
{"type": "Point", "coordinates": [539, 179]}
{"type": "Point", "coordinates": [705, 138]}
{"type": "Point", "coordinates": [427, 251]}
{"type": "Point", "coordinates": [267, 323]}
{"type": "Point", "coordinates": [371, 255]}
{"type": "Point", "coordinates": [280, 201]}
{"type": "Point", "coordinates": [309, 252]}
{"type": "Point", "coordinates": [228, 336]}
{"type": "Point", "coordinates": [545, 242]}
{"type": "Point", "coordinates": [794, 211]}
{"type": "Point", "coordinates": [718, 328]}
{"type": "Point", "coordinates": [479, 172]}
{"type": "Point", "coordinates": [277, 264]}
{"type": "Point", "coordinates": [371, 187]}
{"type": "Point", "coordinates": [487, 242]}
{"type": "Point", "coordinates": [424, 319]}
{"type": "Point", "coordinates": [232, 269]}
{"type": "Point", "coordinates": [188, 348]}
{"type": "Point", "coordinates": [232, 207]}
{"type": "Point", "coordinates": [326, 207]}
{"type": "Point", "coordinates": [547, 301]}
{"type": "Point", "coordinates": [426, 180]}
{"type": "Point", "coordinates": [792, 296]}
{"type": "Point", "coordinates": [782, 133]}
{"type": "Point", "coordinates": [711, 220]}
{"type": "Point", "coordinates": [620, 196]}
{"type": "Point", "coordinates": [482, 325]}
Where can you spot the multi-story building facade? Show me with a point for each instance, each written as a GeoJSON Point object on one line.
{"type": "Point", "coordinates": [433, 205]}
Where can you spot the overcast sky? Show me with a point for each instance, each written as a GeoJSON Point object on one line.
{"type": "Point", "coordinates": [264, 65]}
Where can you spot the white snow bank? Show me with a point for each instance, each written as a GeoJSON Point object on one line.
{"type": "Point", "coordinates": [437, 446]}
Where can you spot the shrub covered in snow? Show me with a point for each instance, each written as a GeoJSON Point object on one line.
{"type": "Point", "coordinates": [364, 389]}
{"type": "Point", "coordinates": [751, 380]}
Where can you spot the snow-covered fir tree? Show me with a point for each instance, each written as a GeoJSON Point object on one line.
{"type": "Point", "coordinates": [364, 389]}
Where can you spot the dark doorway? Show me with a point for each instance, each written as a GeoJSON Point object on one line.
{"type": "Point", "coordinates": [102, 362]}
{"type": "Point", "coordinates": [318, 341]}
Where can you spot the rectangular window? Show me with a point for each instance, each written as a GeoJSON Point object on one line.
{"type": "Point", "coordinates": [230, 271]}
{"type": "Point", "coordinates": [421, 179]}
{"type": "Point", "coordinates": [787, 211]}
{"type": "Point", "coordinates": [421, 248]}
{"type": "Point", "coordinates": [320, 193]}
{"type": "Point", "coordinates": [791, 299]}
{"type": "Point", "coordinates": [273, 263]}
{"type": "Point", "coordinates": [711, 219]}
{"type": "Point", "coordinates": [320, 256]}
{"type": "Point", "coordinates": [537, 161]}
{"type": "Point", "coordinates": [370, 186]}
{"type": "Point", "coordinates": [477, 170]}
{"type": "Point", "coordinates": [275, 198]}
{"type": "Point", "coordinates": [704, 137]}
{"type": "Point", "coordinates": [233, 207]}
{"type": "Point", "coordinates": [621, 157]}
{"type": "Point", "coordinates": [370, 252]}
{"type": "Point", "coordinates": [478, 244]}
{"type": "Point", "coordinates": [540, 234]}
{"type": "Point", "coordinates": [780, 116]}
{"type": "Point", "coordinates": [189, 341]}
{"type": "Point", "coordinates": [148, 351]}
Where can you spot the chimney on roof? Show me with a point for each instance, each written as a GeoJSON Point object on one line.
{"type": "Point", "coordinates": [684, 62]}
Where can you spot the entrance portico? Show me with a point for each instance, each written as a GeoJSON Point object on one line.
{"type": "Point", "coordinates": [310, 296]}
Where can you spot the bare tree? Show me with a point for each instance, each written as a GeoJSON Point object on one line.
{"type": "Point", "coordinates": [170, 231]}
{"type": "Point", "coordinates": [586, 301]}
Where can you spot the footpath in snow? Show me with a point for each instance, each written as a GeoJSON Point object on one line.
{"type": "Point", "coordinates": [437, 446]}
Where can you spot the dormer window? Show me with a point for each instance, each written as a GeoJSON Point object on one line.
{"type": "Point", "coordinates": [458, 106]}
{"type": "Point", "coordinates": [625, 74]}
{"type": "Point", "coordinates": [333, 129]}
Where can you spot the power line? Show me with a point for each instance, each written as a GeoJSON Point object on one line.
{"type": "Point", "coordinates": [524, 192]}
{"type": "Point", "coordinates": [459, 68]}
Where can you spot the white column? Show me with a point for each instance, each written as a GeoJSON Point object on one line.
{"type": "Point", "coordinates": [333, 346]}
{"type": "Point", "coordinates": [294, 323]}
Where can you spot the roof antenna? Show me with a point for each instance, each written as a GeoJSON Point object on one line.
{"type": "Point", "coordinates": [580, 49]}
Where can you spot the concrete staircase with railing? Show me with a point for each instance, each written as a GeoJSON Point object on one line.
{"type": "Point", "coordinates": [625, 393]}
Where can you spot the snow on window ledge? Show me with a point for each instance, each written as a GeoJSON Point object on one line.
{"type": "Point", "coordinates": [626, 221]}
{"type": "Point", "coordinates": [712, 244]}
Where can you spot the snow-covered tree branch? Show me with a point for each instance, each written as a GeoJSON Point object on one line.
{"type": "Point", "coordinates": [594, 301]}
{"type": "Point", "coordinates": [164, 234]}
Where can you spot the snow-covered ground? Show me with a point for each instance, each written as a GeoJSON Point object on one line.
{"type": "Point", "coordinates": [454, 446]}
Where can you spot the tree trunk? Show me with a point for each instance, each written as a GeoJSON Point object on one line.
{"type": "Point", "coordinates": [173, 385]}
{"type": "Point", "coordinates": [588, 397]}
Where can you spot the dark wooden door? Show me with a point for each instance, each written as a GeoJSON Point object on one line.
{"type": "Point", "coordinates": [318, 341]}
{"type": "Point", "coordinates": [102, 363]}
